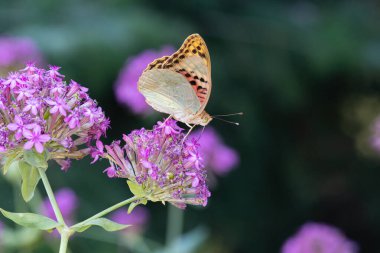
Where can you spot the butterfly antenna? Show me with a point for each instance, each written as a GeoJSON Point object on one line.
{"type": "Point", "coordinates": [227, 121]}
{"type": "Point", "coordinates": [231, 114]}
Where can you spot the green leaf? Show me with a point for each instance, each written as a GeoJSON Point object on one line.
{"type": "Point", "coordinates": [107, 224]}
{"type": "Point", "coordinates": [10, 160]}
{"type": "Point", "coordinates": [30, 178]}
{"type": "Point", "coordinates": [36, 159]}
{"type": "Point", "coordinates": [136, 189]}
{"type": "Point", "coordinates": [31, 220]}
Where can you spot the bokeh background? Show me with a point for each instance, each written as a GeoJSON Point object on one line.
{"type": "Point", "coordinates": [306, 74]}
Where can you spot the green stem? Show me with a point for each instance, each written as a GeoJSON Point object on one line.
{"type": "Point", "coordinates": [65, 235]}
{"type": "Point", "coordinates": [108, 210]}
{"type": "Point", "coordinates": [174, 224]}
{"type": "Point", "coordinates": [52, 199]}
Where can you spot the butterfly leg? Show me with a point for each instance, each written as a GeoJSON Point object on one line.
{"type": "Point", "coordinates": [170, 116]}
{"type": "Point", "coordinates": [191, 128]}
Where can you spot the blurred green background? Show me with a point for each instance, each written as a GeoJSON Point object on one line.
{"type": "Point", "coordinates": [306, 74]}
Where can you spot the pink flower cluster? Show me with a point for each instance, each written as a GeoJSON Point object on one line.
{"type": "Point", "coordinates": [158, 160]}
{"type": "Point", "coordinates": [38, 110]}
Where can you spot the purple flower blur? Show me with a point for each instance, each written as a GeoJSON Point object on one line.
{"type": "Point", "coordinates": [126, 85]}
{"type": "Point", "coordinates": [1, 230]}
{"type": "Point", "coordinates": [138, 218]}
{"type": "Point", "coordinates": [218, 157]}
{"type": "Point", "coordinates": [67, 202]}
{"type": "Point", "coordinates": [375, 137]}
{"type": "Point", "coordinates": [161, 164]}
{"type": "Point", "coordinates": [319, 238]}
{"type": "Point", "coordinates": [39, 111]}
{"type": "Point", "coordinates": [16, 51]}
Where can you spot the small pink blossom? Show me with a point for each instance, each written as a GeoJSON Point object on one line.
{"type": "Point", "coordinates": [13, 80]}
{"type": "Point", "coordinates": [53, 72]}
{"type": "Point", "coordinates": [33, 105]}
{"type": "Point", "coordinates": [98, 151]}
{"type": "Point", "coordinates": [58, 105]}
{"type": "Point", "coordinates": [35, 138]}
{"type": "Point", "coordinates": [17, 127]}
{"type": "Point", "coordinates": [169, 127]}
{"type": "Point", "coordinates": [111, 171]}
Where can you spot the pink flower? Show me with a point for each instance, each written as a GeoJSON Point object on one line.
{"type": "Point", "coordinates": [97, 152]}
{"type": "Point", "coordinates": [319, 238]}
{"type": "Point", "coordinates": [59, 105]}
{"type": "Point", "coordinates": [24, 93]}
{"type": "Point", "coordinates": [13, 80]}
{"type": "Point", "coordinates": [68, 120]}
{"type": "Point", "coordinates": [111, 171]}
{"type": "Point", "coordinates": [167, 168]}
{"type": "Point", "coordinates": [33, 105]}
{"type": "Point", "coordinates": [35, 138]}
{"type": "Point", "coordinates": [18, 127]}
{"type": "Point", "coordinates": [169, 126]}
{"type": "Point", "coordinates": [53, 72]}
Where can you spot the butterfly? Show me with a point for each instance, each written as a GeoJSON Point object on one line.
{"type": "Point", "coordinates": [180, 84]}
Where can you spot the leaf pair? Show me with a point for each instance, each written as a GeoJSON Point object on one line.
{"type": "Point", "coordinates": [36, 221]}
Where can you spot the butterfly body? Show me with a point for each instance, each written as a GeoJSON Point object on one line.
{"type": "Point", "coordinates": [180, 84]}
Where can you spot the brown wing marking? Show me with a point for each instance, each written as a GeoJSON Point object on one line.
{"type": "Point", "coordinates": [185, 60]}
{"type": "Point", "coordinates": [157, 64]}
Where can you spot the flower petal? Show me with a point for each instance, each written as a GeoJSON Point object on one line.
{"type": "Point", "coordinates": [27, 134]}
{"type": "Point", "coordinates": [44, 138]}
{"type": "Point", "coordinates": [12, 126]}
{"type": "Point", "coordinates": [28, 145]}
{"type": "Point", "coordinates": [39, 147]}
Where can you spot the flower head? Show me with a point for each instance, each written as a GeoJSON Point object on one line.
{"type": "Point", "coordinates": [138, 219]}
{"type": "Point", "coordinates": [126, 85]}
{"type": "Point", "coordinates": [218, 157]}
{"type": "Point", "coordinates": [161, 165]}
{"type": "Point", "coordinates": [39, 111]}
{"type": "Point", "coordinates": [319, 238]}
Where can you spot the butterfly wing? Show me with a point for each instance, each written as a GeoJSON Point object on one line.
{"type": "Point", "coordinates": [193, 62]}
{"type": "Point", "coordinates": [169, 92]}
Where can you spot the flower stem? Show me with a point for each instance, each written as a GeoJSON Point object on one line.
{"type": "Point", "coordinates": [64, 241]}
{"type": "Point", "coordinates": [52, 199]}
{"type": "Point", "coordinates": [108, 210]}
{"type": "Point", "coordinates": [174, 224]}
